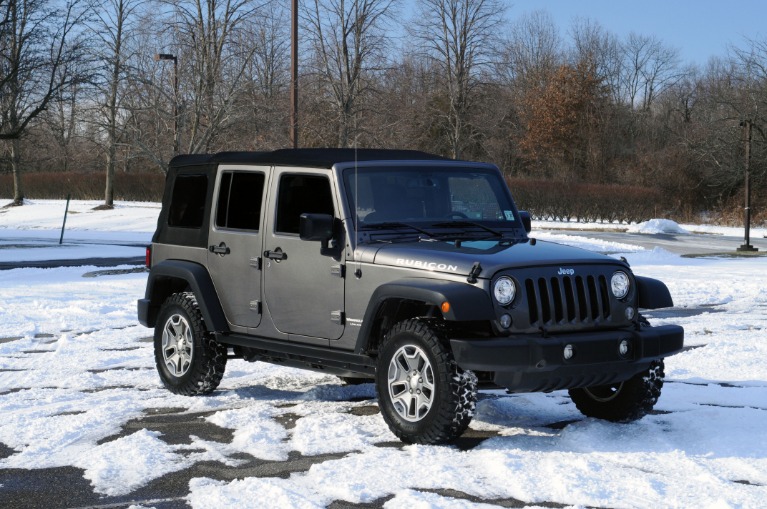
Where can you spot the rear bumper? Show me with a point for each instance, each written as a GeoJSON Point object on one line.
{"type": "Point", "coordinates": [146, 315]}
{"type": "Point", "coordinates": [532, 363]}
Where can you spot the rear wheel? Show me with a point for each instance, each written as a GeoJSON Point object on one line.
{"type": "Point", "coordinates": [189, 360]}
{"type": "Point", "coordinates": [624, 401]}
{"type": "Point", "coordinates": [424, 396]}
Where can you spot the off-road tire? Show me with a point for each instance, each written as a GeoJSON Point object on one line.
{"type": "Point", "coordinates": [448, 407]}
{"type": "Point", "coordinates": [204, 359]}
{"type": "Point", "coordinates": [625, 401]}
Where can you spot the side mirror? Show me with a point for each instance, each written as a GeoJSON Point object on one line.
{"type": "Point", "coordinates": [316, 227]}
{"type": "Point", "coordinates": [526, 220]}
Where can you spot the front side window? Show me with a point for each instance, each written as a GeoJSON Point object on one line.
{"type": "Point", "coordinates": [187, 204]}
{"type": "Point", "coordinates": [299, 194]}
{"type": "Point", "coordinates": [239, 200]}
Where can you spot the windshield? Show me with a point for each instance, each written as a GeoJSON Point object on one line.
{"type": "Point", "coordinates": [428, 195]}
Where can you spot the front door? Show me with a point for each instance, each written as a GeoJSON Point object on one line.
{"type": "Point", "coordinates": [304, 288]}
{"type": "Point", "coordinates": [235, 243]}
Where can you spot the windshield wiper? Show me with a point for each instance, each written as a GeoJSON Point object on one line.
{"type": "Point", "coordinates": [394, 225]}
{"type": "Point", "coordinates": [464, 224]}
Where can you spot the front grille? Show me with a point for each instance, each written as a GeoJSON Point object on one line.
{"type": "Point", "coordinates": [567, 300]}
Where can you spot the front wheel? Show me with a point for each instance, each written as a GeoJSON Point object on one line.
{"type": "Point", "coordinates": [189, 360]}
{"type": "Point", "coordinates": [625, 401]}
{"type": "Point", "coordinates": [424, 396]}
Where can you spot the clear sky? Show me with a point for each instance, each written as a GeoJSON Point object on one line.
{"type": "Point", "coordinates": [699, 29]}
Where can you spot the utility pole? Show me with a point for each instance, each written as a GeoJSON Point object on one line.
{"type": "Point", "coordinates": [294, 75]}
{"type": "Point", "coordinates": [747, 130]}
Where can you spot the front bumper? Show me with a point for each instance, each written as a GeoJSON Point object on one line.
{"type": "Point", "coordinates": [533, 363]}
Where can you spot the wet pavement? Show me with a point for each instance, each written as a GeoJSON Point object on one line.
{"type": "Point", "coordinates": [688, 245]}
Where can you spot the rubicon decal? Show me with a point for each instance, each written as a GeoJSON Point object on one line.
{"type": "Point", "coordinates": [422, 264]}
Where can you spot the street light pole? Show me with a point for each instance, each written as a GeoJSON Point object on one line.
{"type": "Point", "coordinates": [747, 130]}
{"type": "Point", "coordinates": [167, 56]}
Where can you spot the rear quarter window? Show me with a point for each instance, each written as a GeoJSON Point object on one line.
{"type": "Point", "coordinates": [187, 205]}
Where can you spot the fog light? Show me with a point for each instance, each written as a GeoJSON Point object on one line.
{"type": "Point", "coordinates": [629, 313]}
{"type": "Point", "coordinates": [505, 321]}
{"type": "Point", "coordinates": [568, 352]}
{"type": "Point", "coordinates": [624, 348]}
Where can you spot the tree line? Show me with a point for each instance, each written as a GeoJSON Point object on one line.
{"type": "Point", "coordinates": [120, 86]}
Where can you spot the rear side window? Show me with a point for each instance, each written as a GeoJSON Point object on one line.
{"type": "Point", "coordinates": [301, 194]}
{"type": "Point", "coordinates": [187, 205]}
{"type": "Point", "coordinates": [239, 200]}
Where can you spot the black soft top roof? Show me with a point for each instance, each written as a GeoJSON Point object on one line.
{"type": "Point", "coordinates": [313, 157]}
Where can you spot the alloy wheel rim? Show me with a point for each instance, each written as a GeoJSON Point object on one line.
{"type": "Point", "coordinates": [411, 383]}
{"type": "Point", "coordinates": [177, 345]}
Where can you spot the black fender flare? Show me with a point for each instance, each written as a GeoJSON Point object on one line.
{"type": "Point", "coordinates": [197, 278]}
{"type": "Point", "coordinates": [467, 302]}
{"type": "Point", "coordinates": [652, 294]}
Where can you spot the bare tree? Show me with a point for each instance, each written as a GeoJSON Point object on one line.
{"type": "Point", "coordinates": [739, 94]}
{"type": "Point", "coordinates": [349, 44]}
{"type": "Point", "coordinates": [39, 44]}
{"type": "Point", "coordinates": [592, 43]}
{"type": "Point", "coordinates": [62, 119]}
{"type": "Point", "coordinates": [461, 37]}
{"type": "Point", "coordinates": [649, 68]}
{"type": "Point", "coordinates": [266, 78]}
{"type": "Point", "coordinates": [148, 95]}
{"type": "Point", "coordinates": [115, 20]}
{"type": "Point", "coordinates": [532, 52]}
{"type": "Point", "coordinates": [204, 31]}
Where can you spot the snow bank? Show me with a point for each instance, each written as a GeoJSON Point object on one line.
{"type": "Point", "coordinates": [658, 226]}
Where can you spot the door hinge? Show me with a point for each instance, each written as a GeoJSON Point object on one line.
{"type": "Point", "coordinates": [337, 317]}
{"type": "Point", "coordinates": [338, 270]}
{"type": "Point", "coordinates": [256, 262]}
{"type": "Point", "coordinates": [255, 305]}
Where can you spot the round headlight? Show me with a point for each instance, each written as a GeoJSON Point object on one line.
{"type": "Point", "coordinates": [619, 284]}
{"type": "Point", "coordinates": [504, 290]}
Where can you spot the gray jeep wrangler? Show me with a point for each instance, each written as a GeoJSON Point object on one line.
{"type": "Point", "coordinates": [398, 267]}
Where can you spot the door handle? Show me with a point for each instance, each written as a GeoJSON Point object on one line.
{"type": "Point", "coordinates": [221, 249]}
{"type": "Point", "coordinates": [277, 255]}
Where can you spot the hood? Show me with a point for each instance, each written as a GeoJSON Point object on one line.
{"type": "Point", "coordinates": [492, 256]}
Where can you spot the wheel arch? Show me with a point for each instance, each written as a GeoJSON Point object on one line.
{"type": "Point", "coordinates": [173, 276]}
{"type": "Point", "coordinates": [652, 294]}
{"type": "Point", "coordinates": [413, 297]}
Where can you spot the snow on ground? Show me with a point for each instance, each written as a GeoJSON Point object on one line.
{"type": "Point", "coordinates": [48, 215]}
{"type": "Point", "coordinates": [36, 229]}
{"type": "Point", "coordinates": [75, 367]}
{"type": "Point", "coordinates": [653, 226]}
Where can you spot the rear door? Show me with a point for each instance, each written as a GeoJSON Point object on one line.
{"type": "Point", "coordinates": [236, 241]}
{"type": "Point", "coordinates": [304, 288]}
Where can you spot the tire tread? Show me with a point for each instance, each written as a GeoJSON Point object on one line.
{"type": "Point", "coordinates": [209, 357]}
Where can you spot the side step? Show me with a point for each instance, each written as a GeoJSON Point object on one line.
{"type": "Point", "coordinates": [306, 356]}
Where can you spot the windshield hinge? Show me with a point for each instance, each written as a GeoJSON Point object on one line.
{"type": "Point", "coordinates": [476, 269]}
